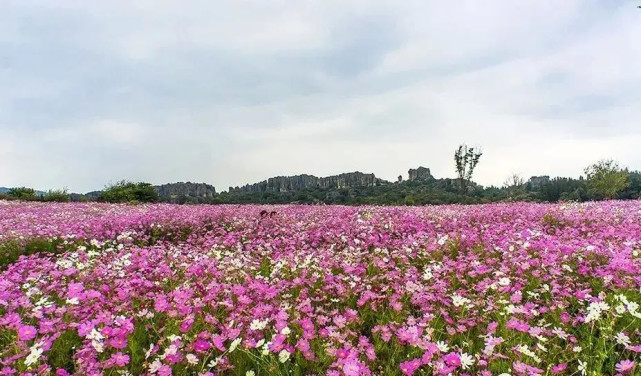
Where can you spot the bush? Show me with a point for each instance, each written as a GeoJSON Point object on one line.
{"type": "Point", "coordinates": [56, 195]}
{"type": "Point", "coordinates": [22, 193]}
{"type": "Point", "coordinates": [606, 179]}
{"type": "Point", "coordinates": [125, 191]}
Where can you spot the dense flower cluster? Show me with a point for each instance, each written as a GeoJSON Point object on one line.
{"type": "Point", "coordinates": [507, 289]}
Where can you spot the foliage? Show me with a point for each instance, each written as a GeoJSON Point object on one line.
{"type": "Point", "coordinates": [515, 187]}
{"type": "Point", "coordinates": [22, 193]}
{"type": "Point", "coordinates": [566, 189]}
{"type": "Point", "coordinates": [606, 179]}
{"type": "Point", "coordinates": [125, 191]}
{"type": "Point", "coordinates": [56, 195]}
{"type": "Point", "coordinates": [465, 160]}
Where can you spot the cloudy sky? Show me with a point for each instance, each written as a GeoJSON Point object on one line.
{"type": "Point", "coordinates": [232, 92]}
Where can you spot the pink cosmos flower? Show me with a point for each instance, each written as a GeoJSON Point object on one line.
{"type": "Point", "coordinates": [559, 368]}
{"type": "Point", "coordinates": [352, 368]}
{"type": "Point", "coordinates": [27, 332]}
{"type": "Point", "coordinates": [120, 359]}
{"type": "Point", "coordinates": [452, 359]}
{"type": "Point", "coordinates": [625, 366]}
{"type": "Point", "coordinates": [8, 371]}
{"type": "Point", "coordinates": [164, 370]}
{"type": "Point", "coordinates": [201, 346]}
{"type": "Point", "coordinates": [118, 343]}
{"type": "Point", "coordinates": [409, 367]}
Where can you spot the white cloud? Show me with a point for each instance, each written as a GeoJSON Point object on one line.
{"type": "Point", "coordinates": [234, 92]}
{"type": "Point", "coordinates": [118, 132]}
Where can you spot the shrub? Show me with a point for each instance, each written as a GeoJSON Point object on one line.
{"type": "Point", "coordinates": [22, 193]}
{"type": "Point", "coordinates": [56, 195]}
{"type": "Point", "coordinates": [125, 191]}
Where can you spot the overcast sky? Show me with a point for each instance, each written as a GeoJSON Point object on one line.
{"type": "Point", "coordinates": [233, 92]}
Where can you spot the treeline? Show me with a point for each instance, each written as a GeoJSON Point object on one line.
{"type": "Point", "coordinates": [603, 180]}
{"type": "Point", "coordinates": [442, 191]}
{"type": "Point", "coordinates": [30, 194]}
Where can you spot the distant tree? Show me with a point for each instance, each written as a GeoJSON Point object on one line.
{"type": "Point", "coordinates": [125, 191]}
{"type": "Point", "coordinates": [57, 195]}
{"type": "Point", "coordinates": [605, 179]}
{"type": "Point", "coordinates": [562, 189]}
{"type": "Point", "coordinates": [466, 160]}
{"type": "Point", "coordinates": [400, 178]}
{"type": "Point", "coordinates": [514, 180]}
{"type": "Point", "coordinates": [22, 193]}
{"type": "Point", "coordinates": [515, 186]}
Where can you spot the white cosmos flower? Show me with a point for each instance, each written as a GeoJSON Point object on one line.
{"type": "Point", "coordinates": [459, 301]}
{"type": "Point", "coordinates": [234, 344]}
{"type": "Point", "coordinates": [250, 373]}
{"type": "Point", "coordinates": [467, 360]}
{"type": "Point", "coordinates": [505, 281]}
{"type": "Point", "coordinates": [95, 335]}
{"type": "Point", "coordinates": [283, 356]}
{"type": "Point", "coordinates": [155, 366]}
{"type": "Point", "coordinates": [442, 346]}
{"type": "Point", "coordinates": [33, 356]}
{"type": "Point", "coordinates": [582, 367]}
{"type": "Point", "coordinates": [258, 324]}
{"type": "Point", "coordinates": [148, 352]}
{"type": "Point", "coordinates": [72, 301]}
{"type": "Point", "coordinates": [192, 359]}
{"type": "Point", "coordinates": [623, 339]}
{"type": "Point", "coordinates": [265, 350]}
{"type": "Point", "coordinates": [98, 346]}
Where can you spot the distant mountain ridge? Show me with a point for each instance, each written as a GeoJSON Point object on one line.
{"type": "Point", "coordinates": [417, 187]}
{"type": "Point", "coordinates": [299, 182]}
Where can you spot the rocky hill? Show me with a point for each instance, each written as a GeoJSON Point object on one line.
{"type": "Point", "coordinates": [421, 173]}
{"type": "Point", "coordinates": [300, 182]}
{"type": "Point", "coordinates": [186, 191]}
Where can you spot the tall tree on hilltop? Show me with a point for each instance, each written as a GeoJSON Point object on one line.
{"type": "Point", "coordinates": [606, 179]}
{"type": "Point", "coordinates": [466, 159]}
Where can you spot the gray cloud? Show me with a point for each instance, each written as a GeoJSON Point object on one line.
{"type": "Point", "coordinates": [234, 92]}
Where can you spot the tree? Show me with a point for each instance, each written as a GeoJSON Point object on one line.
{"type": "Point", "coordinates": [22, 193]}
{"type": "Point", "coordinates": [125, 191]}
{"type": "Point", "coordinates": [605, 179]}
{"type": "Point", "coordinates": [515, 186]}
{"type": "Point", "coordinates": [57, 195]}
{"type": "Point", "coordinates": [466, 160]}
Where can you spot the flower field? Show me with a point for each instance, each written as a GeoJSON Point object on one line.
{"type": "Point", "coordinates": [505, 289]}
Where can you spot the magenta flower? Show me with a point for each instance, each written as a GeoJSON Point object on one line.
{"type": "Point", "coordinates": [164, 370]}
{"type": "Point", "coordinates": [452, 359]}
{"type": "Point", "coordinates": [27, 332]}
{"type": "Point", "coordinates": [120, 359]}
{"type": "Point", "coordinates": [625, 366]}
{"type": "Point", "coordinates": [409, 367]}
{"type": "Point", "coordinates": [201, 346]}
{"type": "Point", "coordinates": [352, 368]}
{"type": "Point", "coordinates": [8, 371]}
{"type": "Point", "coordinates": [559, 368]}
